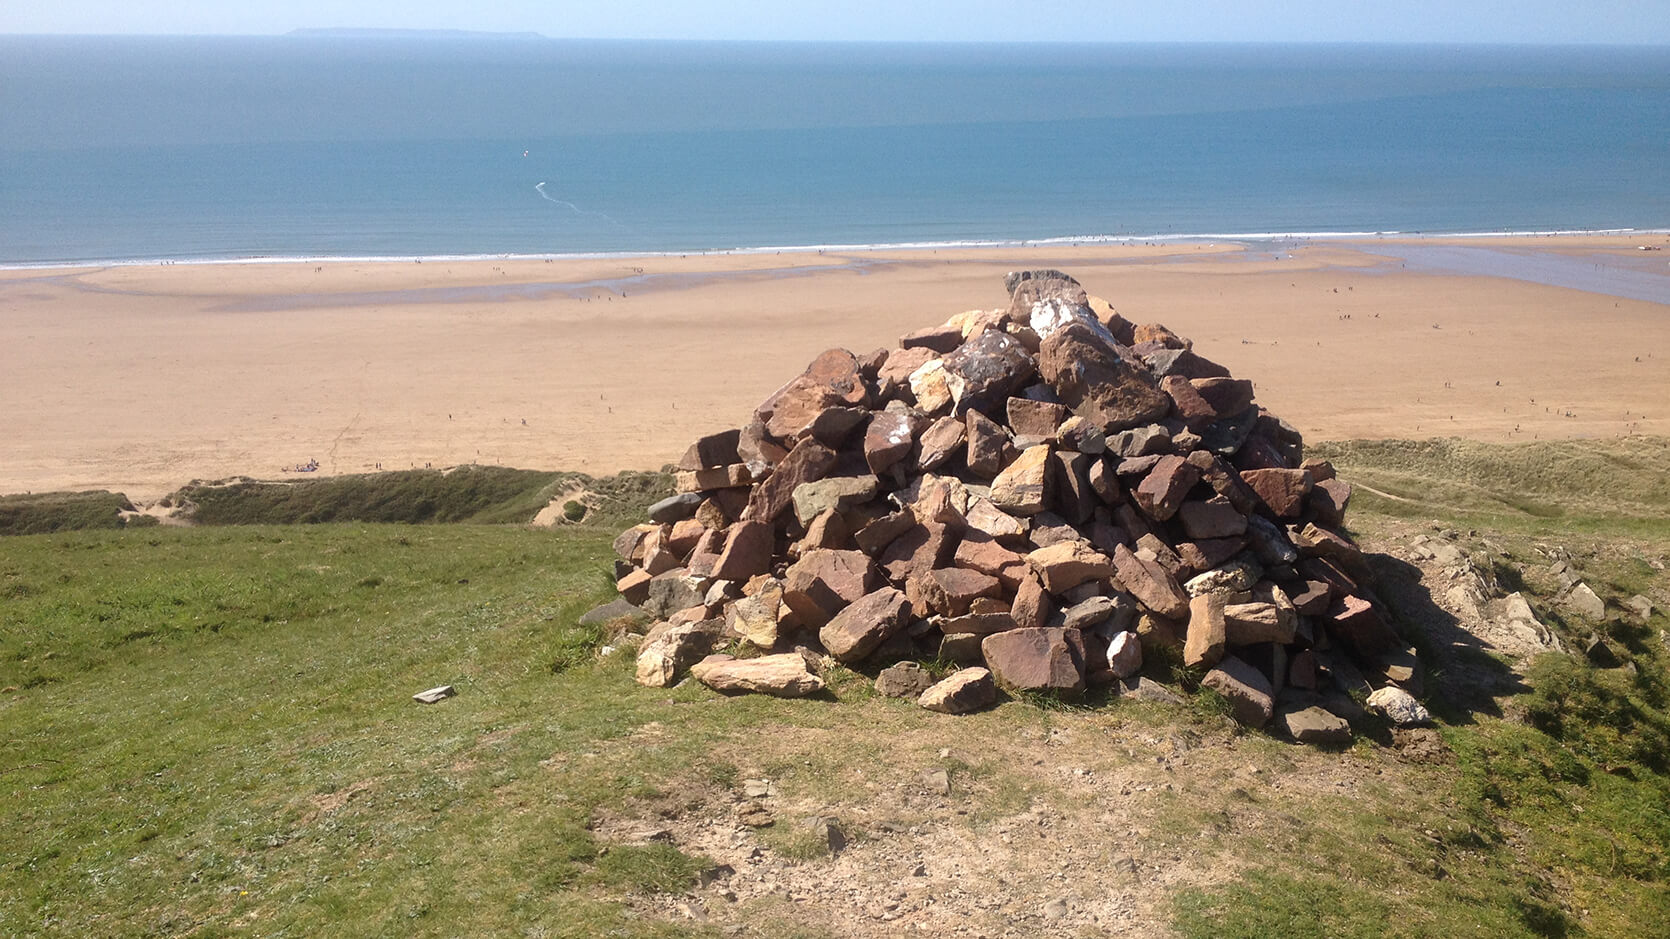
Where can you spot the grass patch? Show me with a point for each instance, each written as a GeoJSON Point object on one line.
{"type": "Point", "coordinates": [1610, 486]}
{"type": "Point", "coordinates": [479, 494]}
{"type": "Point", "coordinates": [648, 868]}
{"type": "Point", "coordinates": [44, 513]}
{"type": "Point", "coordinates": [209, 731]}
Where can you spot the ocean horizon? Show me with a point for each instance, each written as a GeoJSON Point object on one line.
{"type": "Point", "coordinates": [137, 150]}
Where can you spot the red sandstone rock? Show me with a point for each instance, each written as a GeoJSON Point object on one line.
{"type": "Point", "coordinates": [1092, 379]}
{"type": "Point", "coordinates": [1282, 491]}
{"type": "Point", "coordinates": [1226, 395]}
{"type": "Point", "coordinates": [1251, 698]}
{"type": "Point", "coordinates": [1105, 482]}
{"type": "Point", "coordinates": [1207, 631]}
{"type": "Point", "coordinates": [1061, 567]}
{"type": "Point", "coordinates": [832, 379]}
{"type": "Point", "coordinates": [1151, 584]}
{"type": "Point", "coordinates": [1069, 486]}
{"type": "Point", "coordinates": [747, 552]}
{"type": "Point", "coordinates": [1214, 518]}
{"type": "Point", "coordinates": [1187, 403]}
{"type": "Point", "coordinates": [1033, 604]}
{"type": "Point", "coordinates": [1162, 491]}
{"type": "Point", "coordinates": [920, 549]}
{"type": "Point", "coordinates": [710, 451]}
{"type": "Point", "coordinates": [937, 339]}
{"type": "Point", "coordinates": [634, 587]}
{"type": "Point", "coordinates": [941, 442]}
{"type": "Point", "coordinates": [950, 591]}
{"type": "Point", "coordinates": [1355, 623]}
{"type": "Point", "coordinates": [1035, 660]}
{"type": "Point", "coordinates": [968, 689]}
{"type": "Point", "coordinates": [901, 363]}
{"type": "Point", "coordinates": [874, 538]}
{"type": "Point", "coordinates": [979, 551]}
{"type": "Point", "coordinates": [1314, 599]}
{"type": "Point", "coordinates": [1022, 487]}
{"type": "Point", "coordinates": [859, 629]}
{"type": "Point", "coordinates": [888, 440]}
{"type": "Point", "coordinates": [808, 461]}
{"type": "Point", "coordinates": [986, 445]}
{"type": "Point", "coordinates": [1156, 333]}
{"type": "Point", "coordinates": [756, 446]}
{"type": "Point", "coordinates": [1030, 418]}
{"type": "Point", "coordinates": [823, 582]}
{"type": "Point", "coordinates": [828, 530]}
{"type": "Point", "coordinates": [1328, 501]}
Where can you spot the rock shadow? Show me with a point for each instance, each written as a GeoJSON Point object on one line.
{"type": "Point", "coordinates": [1464, 677]}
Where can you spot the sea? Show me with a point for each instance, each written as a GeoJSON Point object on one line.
{"type": "Point", "coordinates": [148, 149]}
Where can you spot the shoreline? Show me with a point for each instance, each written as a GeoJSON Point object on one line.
{"type": "Point", "coordinates": [1075, 241]}
{"type": "Point", "coordinates": [139, 378]}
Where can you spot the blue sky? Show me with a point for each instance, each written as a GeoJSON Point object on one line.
{"type": "Point", "coordinates": [1512, 21]}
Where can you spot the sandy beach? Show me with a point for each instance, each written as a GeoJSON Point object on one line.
{"type": "Point", "coordinates": [140, 378]}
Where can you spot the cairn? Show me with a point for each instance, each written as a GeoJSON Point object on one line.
{"type": "Point", "coordinates": [1046, 495]}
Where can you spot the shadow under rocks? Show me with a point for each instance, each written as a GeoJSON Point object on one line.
{"type": "Point", "coordinates": [1463, 678]}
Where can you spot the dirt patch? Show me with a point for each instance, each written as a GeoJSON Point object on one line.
{"type": "Point", "coordinates": [327, 803]}
{"type": "Point", "coordinates": [1084, 823]}
{"type": "Point", "coordinates": [552, 515]}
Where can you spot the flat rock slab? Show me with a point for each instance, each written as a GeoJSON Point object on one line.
{"type": "Point", "coordinates": [1250, 696]}
{"type": "Point", "coordinates": [1138, 688]}
{"type": "Point", "coordinates": [1061, 567]}
{"type": "Point", "coordinates": [1315, 725]}
{"type": "Point", "coordinates": [1151, 584]}
{"type": "Point", "coordinates": [433, 695]}
{"type": "Point", "coordinates": [782, 676]}
{"type": "Point", "coordinates": [965, 690]}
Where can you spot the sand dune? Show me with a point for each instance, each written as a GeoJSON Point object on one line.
{"type": "Point", "coordinates": [140, 378]}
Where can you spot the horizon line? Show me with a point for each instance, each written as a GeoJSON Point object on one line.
{"type": "Point", "coordinates": [530, 36]}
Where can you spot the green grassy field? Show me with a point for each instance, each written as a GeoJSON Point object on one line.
{"type": "Point", "coordinates": [210, 731]}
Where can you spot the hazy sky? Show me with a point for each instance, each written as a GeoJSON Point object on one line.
{"type": "Point", "coordinates": [1548, 21]}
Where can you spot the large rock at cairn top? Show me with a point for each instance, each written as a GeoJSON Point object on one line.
{"type": "Point", "coordinates": [832, 380]}
{"type": "Point", "coordinates": [983, 372]}
{"type": "Point", "coordinates": [1089, 376]}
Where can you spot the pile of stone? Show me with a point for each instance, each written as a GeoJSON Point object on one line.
{"type": "Point", "coordinates": [1045, 494]}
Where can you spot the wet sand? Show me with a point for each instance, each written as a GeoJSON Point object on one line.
{"type": "Point", "coordinates": [141, 378]}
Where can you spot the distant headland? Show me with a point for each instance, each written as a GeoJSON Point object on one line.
{"type": "Point", "coordinates": [353, 33]}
